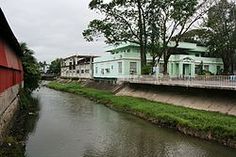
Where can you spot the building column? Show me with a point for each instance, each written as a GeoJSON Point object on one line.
{"type": "Point", "coordinates": [91, 67]}
{"type": "Point", "coordinates": [181, 69]}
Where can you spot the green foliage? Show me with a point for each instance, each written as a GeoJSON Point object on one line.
{"type": "Point", "coordinates": [219, 125]}
{"type": "Point", "coordinates": [55, 67]}
{"type": "Point", "coordinates": [218, 32]}
{"type": "Point", "coordinates": [222, 23]}
{"type": "Point", "coordinates": [146, 70]}
{"type": "Point", "coordinates": [145, 22]}
{"type": "Point", "coordinates": [31, 69]}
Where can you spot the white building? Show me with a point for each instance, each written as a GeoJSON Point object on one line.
{"type": "Point", "coordinates": [77, 66]}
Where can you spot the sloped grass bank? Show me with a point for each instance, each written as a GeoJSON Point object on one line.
{"type": "Point", "coordinates": [202, 124]}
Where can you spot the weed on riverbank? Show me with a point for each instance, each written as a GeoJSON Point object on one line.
{"type": "Point", "coordinates": [203, 124]}
{"type": "Point", "coordinates": [23, 123]}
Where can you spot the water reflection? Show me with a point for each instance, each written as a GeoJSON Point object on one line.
{"type": "Point", "coordinates": [71, 125]}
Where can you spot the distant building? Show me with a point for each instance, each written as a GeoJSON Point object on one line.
{"type": "Point", "coordinates": [77, 66]}
{"type": "Point", "coordinates": [11, 73]}
{"type": "Point", "coordinates": [124, 61]}
{"type": "Point", "coordinates": [44, 67]}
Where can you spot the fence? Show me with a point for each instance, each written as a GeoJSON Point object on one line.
{"type": "Point", "coordinates": [217, 81]}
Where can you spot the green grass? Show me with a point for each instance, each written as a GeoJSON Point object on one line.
{"type": "Point", "coordinates": [220, 126]}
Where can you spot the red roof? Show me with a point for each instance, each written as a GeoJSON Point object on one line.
{"type": "Point", "coordinates": [7, 35]}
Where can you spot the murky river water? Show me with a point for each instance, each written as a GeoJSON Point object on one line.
{"type": "Point", "coordinates": [73, 126]}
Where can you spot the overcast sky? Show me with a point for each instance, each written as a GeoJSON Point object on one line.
{"type": "Point", "coordinates": [52, 28]}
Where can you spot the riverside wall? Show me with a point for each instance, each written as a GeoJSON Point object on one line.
{"type": "Point", "coordinates": [223, 101]}
{"type": "Point", "coordinates": [8, 108]}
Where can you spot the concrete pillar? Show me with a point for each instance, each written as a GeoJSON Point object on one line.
{"type": "Point", "coordinates": [181, 69]}
{"type": "Point", "coordinates": [91, 67]}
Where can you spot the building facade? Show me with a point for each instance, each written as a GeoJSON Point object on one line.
{"type": "Point", "coordinates": [123, 61]}
{"type": "Point", "coordinates": [190, 60]}
{"type": "Point", "coordinates": [77, 66]}
{"type": "Point", "coordinates": [11, 74]}
{"type": "Point", "coordinates": [119, 62]}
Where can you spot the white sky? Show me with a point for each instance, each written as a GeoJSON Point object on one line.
{"type": "Point", "coordinates": [52, 28]}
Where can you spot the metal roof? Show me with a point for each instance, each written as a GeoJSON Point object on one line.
{"type": "Point", "coordinates": [7, 35]}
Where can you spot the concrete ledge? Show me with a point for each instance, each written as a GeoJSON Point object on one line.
{"type": "Point", "coordinates": [223, 101]}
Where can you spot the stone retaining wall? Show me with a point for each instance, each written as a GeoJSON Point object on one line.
{"type": "Point", "coordinates": [8, 107]}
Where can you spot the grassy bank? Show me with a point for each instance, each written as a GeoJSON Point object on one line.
{"type": "Point", "coordinates": [203, 124]}
{"type": "Point", "coordinates": [23, 123]}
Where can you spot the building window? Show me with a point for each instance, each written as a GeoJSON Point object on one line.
{"type": "Point", "coordinates": [206, 67]}
{"type": "Point", "coordinates": [96, 70]}
{"type": "Point", "coordinates": [112, 67]}
{"type": "Point", "coordinates": [107, 70]}
{"type": "Point", "coordinates": [102, 71]}
{"type": "Point", "coordinates": [128, 50]}
{"type": "Point", "coordinates": [82, 71]}
{"type": "Point", "coordinates": [77, 71]}
{"type": "Point", "coordinates": [198, 69]}
{"type": "Point", "coordinates": [87, 71]}
{"type": "Point", "coordinates": [70, 67]}
{"type": "Point", "coordinates": [119, 67]}
{"type": "Point", "coordinates": [219, 70]}
{"type": "Point", "coordinates": [197, 55]}
{"type": "Point", "coordinates": [133, 68]}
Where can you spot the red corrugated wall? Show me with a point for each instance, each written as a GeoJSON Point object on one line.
{"type": "Point", "coordinates": [11, 71]}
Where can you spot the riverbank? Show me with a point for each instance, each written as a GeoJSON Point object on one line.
{"type": "Point", "coordinates": [14, 143]}
{"type": "Point", "coordinates": [206, 125]}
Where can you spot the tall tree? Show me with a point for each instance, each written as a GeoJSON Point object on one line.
{"type": "Point", "coordinates": [124, 21]}
{"type": "Point", "coordinates": [146, 22]}
{"type": "Point", "coordinates": [218, 33]}
{"type": "Point", "coordinates": [175, 19]}
{"type": "Point", "coordinates": [221, 23]}
{"type": "Point", "coordinates": [55, 67]}
{"type": "Point", "coordinates": [31, 68]}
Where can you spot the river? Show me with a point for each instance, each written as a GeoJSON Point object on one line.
{"type": "Point", "coordinates": [73, 126]}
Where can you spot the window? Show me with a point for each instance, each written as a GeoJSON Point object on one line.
{"type": "Point", "coordinates": [112, 67]}
{"type": "Point", "coordinates": [133, 68]}
{"type": "Point", "coordinates": [219, 70]}
{"type": "Point", "coordinates": [107, 70]}
{"type": "Point", "coordinates": [77, 71]}
{"type": "Point", "coordinates": [102, 71]}
{"type": "Point", "coordinates": [198, 69]}
{"type": "Point", "coordinates": [86, 70]}
{"type": "Point", "coordinates": [70, 67]}
{"type": "Point", "coordinates": [128, 50]}
{"type": "Point", "coordinates": [206, 67]}
{"type": "Point", "coordinates": [82, 71]}
{"type": "Point", "coordinates": [161, 68]}
{"type": "Point", "coordinates": [119, 67]}
{"type": "Point", "coordinates": [96, 70]}
{"type": "Point", "coordinates": [197, 55]}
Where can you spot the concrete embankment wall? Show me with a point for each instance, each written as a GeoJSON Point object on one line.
{"type": "Point", "coordinates": [203, 99]}
{"type": "Point", "coordinates": [8, 107]}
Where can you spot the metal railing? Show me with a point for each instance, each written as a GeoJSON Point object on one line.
{"type": "Point", "coordinates": [217, 81]}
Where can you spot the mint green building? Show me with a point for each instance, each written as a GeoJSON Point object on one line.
{"type": "Point", "coordinates": [123, 61]}
{"type": "Point", "coordinates": [189, 60]}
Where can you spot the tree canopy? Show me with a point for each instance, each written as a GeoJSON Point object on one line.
{"type": "Point", "coordinates": [149, 23]}
{"type": "Point", "coordinates": [55, 67]}
{"type": "Point", "coordinates": [31, 69]}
